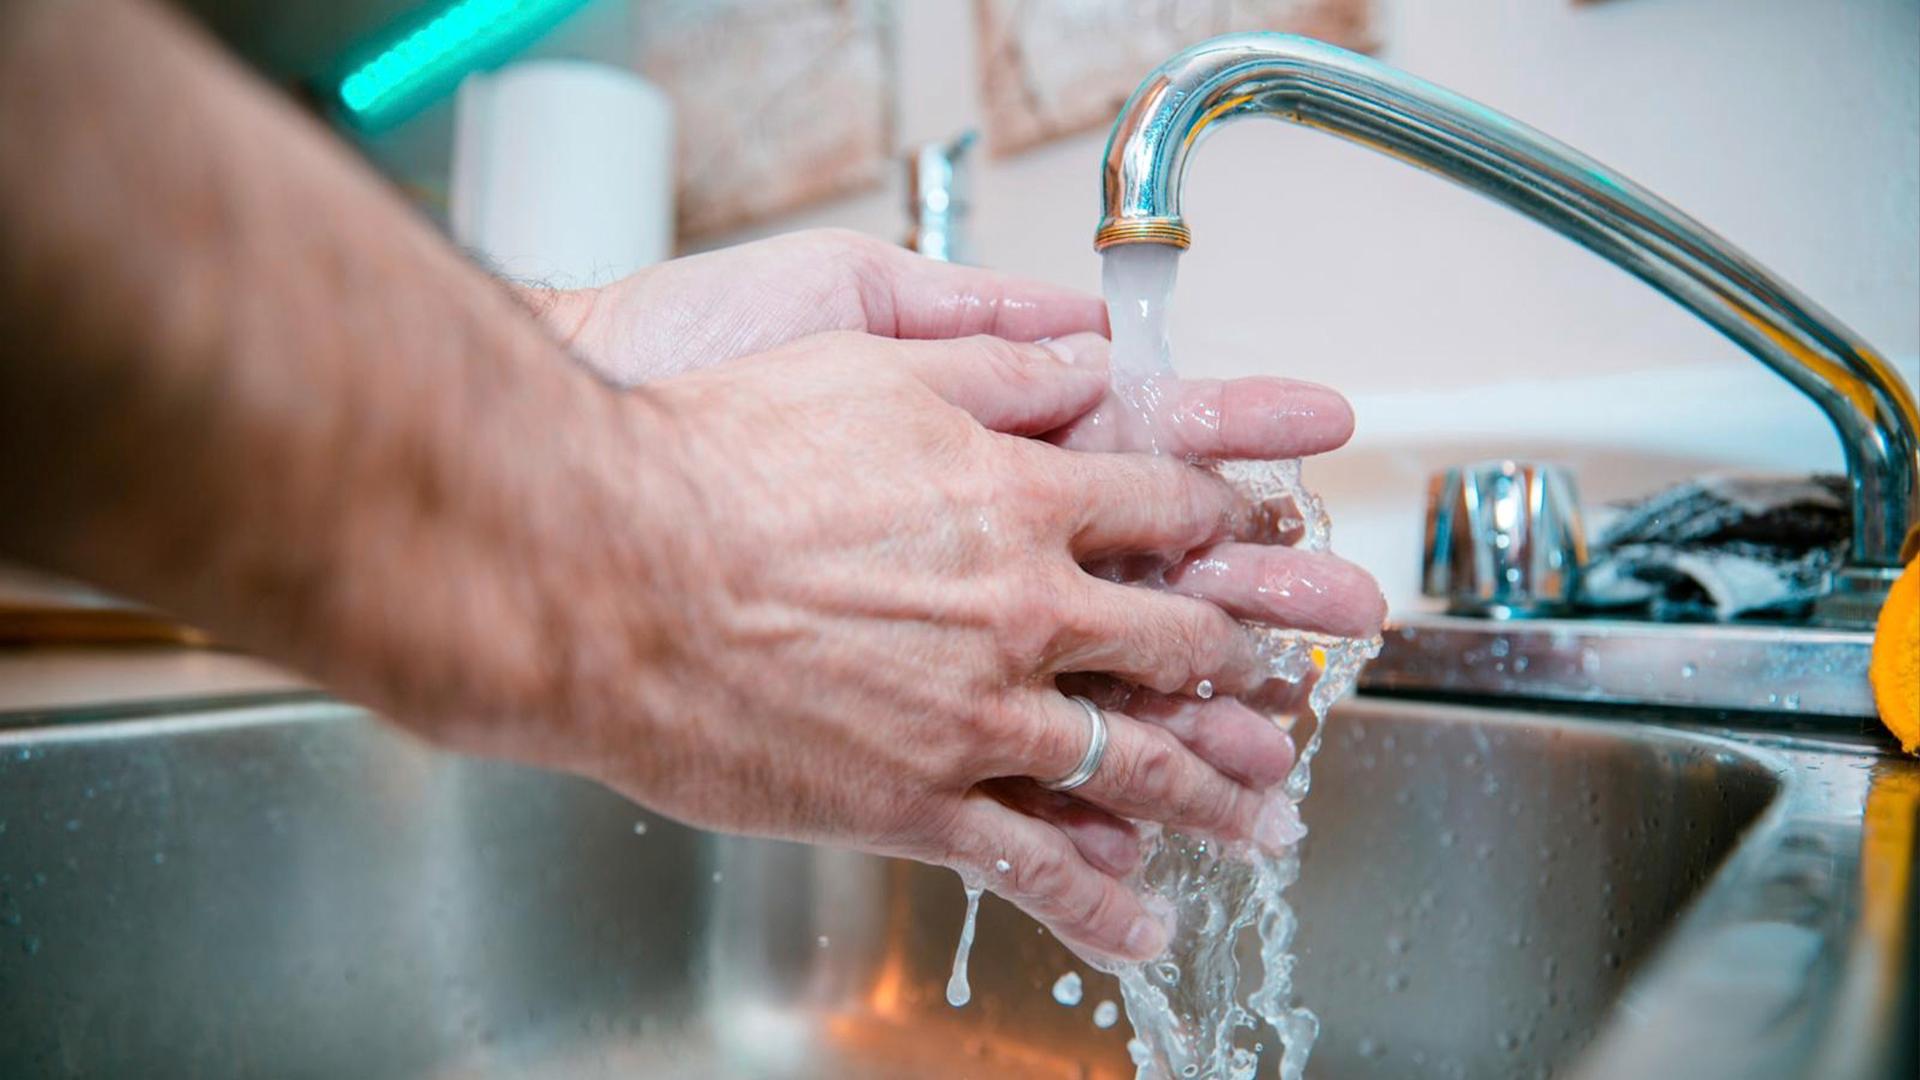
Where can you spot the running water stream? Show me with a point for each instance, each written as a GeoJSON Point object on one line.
{"type": "Point", "coordinates": [1189, 1016]}
{"type": "Point", "coordinates": [1187, 1010]}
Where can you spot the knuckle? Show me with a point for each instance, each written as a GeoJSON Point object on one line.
{"type": "Point", "coordinates": [1045, 874]}
{"type": "Point", "coordinates": [1029, 630]}
{"type": "Point", "coordinates": [1006, 725]}
{"type": "Point", "coordinates": [1207, 501]}
{"type": "Point", "coordinates": [1148, 772]}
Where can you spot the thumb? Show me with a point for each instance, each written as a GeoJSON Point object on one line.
{"type": "Point", "coordinates": [1017, 388]}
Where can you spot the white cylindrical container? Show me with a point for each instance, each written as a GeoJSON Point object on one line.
{"type": "Point", "coordinates": [563, 172]}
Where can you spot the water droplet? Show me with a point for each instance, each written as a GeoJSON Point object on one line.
{"type": "Point", "coordinates": [1105, 1015]}
{"type": "Point", "coordinates": [1499, 647]}
{"type": "Point", "coordinates": [1370, 1047]}
{"type": "Point", "coordinates": [30, 945]}
{"type": "Point", "coordinates": [1001, 866]}
{"type": "Point", "coordinates": [1396, 981]}
{"type": "Point", "coordinates": [639, 828]}
{"type": "Point", "coordinates": [1204, 690]}
{"type": "Point", "coordinates": [823, 941]}
{"type": "Point", "coordinates": [1689, 669]}
{"type": "Point", "coordinates": [1067, 989]}
{"type": "Point", "coordinates": [1167, 972]}
{"type": "Point", "coordinates": [958, 990]}
{"type": "Point", "coordinates": [1508, 1041]}
{"type": "Point", "coordinates": [1396, 945]}
{"type": "Point", "coordinates": [73, 824]}
{"type": "Point", "coordinates": [716, 877]}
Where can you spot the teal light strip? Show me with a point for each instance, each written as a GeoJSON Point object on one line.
{"type": "Point", "coordinates": [432, 56]}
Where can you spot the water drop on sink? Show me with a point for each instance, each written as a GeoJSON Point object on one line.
{"type": "Point", "coordinates": [1066, 989]}
{"type": "Point", "coordinates": [1105, 1015]}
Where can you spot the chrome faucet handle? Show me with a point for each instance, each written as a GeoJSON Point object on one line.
{"type": "Point", "coordinates": [1504, 538]}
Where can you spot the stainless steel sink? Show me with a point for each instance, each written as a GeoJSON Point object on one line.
{"type": "Point", "coordinates": [291, 890]}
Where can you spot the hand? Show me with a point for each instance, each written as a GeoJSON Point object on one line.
{"type": "Point", "coordinates": [700, 310]}
{"type": "Point", "coordinates": [883, 589]}
{"type": "Point", "coordinates": [695, 312]}
{"type": "Point", "coordinates": [1253, 419]}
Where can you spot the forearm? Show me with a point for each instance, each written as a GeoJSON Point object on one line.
{"type": "Point", "coordinates": [245, 384]}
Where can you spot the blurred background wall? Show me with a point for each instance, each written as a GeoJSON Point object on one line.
{"type": "Point", "coordinates": [1460, 329]}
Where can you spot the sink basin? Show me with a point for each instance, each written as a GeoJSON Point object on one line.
{"type": "Point", "coordinates": [292, 890]}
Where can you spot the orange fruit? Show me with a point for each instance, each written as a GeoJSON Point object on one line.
{"type": "Point", "coordinates": [1895, 669]}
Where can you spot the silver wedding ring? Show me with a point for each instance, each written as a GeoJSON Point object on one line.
{"type": "Point", "coordinates": [1096, 748]}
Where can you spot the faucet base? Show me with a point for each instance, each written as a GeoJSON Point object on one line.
{"type": "Point", "coordinates": [1854, 597]}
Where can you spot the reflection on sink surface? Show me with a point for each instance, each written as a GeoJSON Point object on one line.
{"type": "Point", "coordinates": [294, 891]}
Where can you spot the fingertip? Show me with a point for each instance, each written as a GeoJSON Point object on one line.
{"type": "Point", "coordinates": [1265, 418]}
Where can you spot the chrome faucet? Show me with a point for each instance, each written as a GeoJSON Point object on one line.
{"type": "Point", "coordinates": [939, 195]}
{"type": "Point", "coordinates": [1309, 82]}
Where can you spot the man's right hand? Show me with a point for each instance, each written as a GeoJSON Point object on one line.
{"type": "Point", "coordinates": [874, 583]}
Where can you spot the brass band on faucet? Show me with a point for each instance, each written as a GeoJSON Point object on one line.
{"type": "Point", "coordinates": [1362, 100]}
{"type": "Point", "coordinates": [1156, 230]}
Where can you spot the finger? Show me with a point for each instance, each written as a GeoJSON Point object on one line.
{"type": "Point", "coordinates": [1048, 879]}
{"type": "Point", "coordinates": [1145, 774]}
{"type": "Point", "coordinates": [1234, 738]}
{"type": "Point", "coordinates": [1282, 586]}
{"type": "Point", "coordinates": [1018, 388]}
{"type": "Point", "coordinates": [1111, 844]}
{"type": "Point", "coordinates": [1259, 419]}
{"type": "Point", "coordinates": [1134, 504]}
{"type": "Point", "coordinates": [1153, 639]}
{"type": "Point", "coordinates": [911, 296]}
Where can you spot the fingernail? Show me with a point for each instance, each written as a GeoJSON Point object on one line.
{"type": "Point", "coordinates": [1074, 349]}
{"type": "Point", "coordinates": [1146, 938]}
{"type": "Point", "coordinates": [1279, 826]}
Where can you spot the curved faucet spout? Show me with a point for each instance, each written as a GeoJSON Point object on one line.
{"type": "Point", "coordinates": [1315, 84]}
